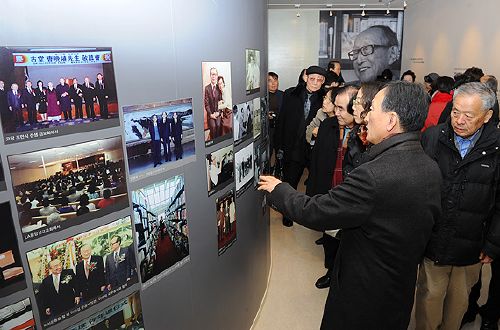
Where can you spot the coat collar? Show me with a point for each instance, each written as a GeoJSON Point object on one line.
{"type": "Point", "coordinates": [391, 142]}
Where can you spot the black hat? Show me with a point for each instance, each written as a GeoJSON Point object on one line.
{"type": "Point", "coordinates": [314, 69]}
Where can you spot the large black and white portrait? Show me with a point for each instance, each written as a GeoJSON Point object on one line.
{"type": "Point", "coordinates": [252, 71]}
{"type": "Point", "coordinates": [244, 168]}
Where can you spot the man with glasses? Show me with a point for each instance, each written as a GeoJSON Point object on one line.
{"type": "Point", "coordinates": [299, 107]}
{"type": "Point", "coordinates": [375, 49]}
{"type": "Point", "coordinates": [120, 264]}
{"type": "Point", "coordinates": [467, 234]}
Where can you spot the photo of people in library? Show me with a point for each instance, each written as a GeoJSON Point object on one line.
{"type": "Point", "coordinates": [78, 272]}
{"type": "Point", "coordinates": [220, 169]}
{"type": "Point", "coordinates": [11, 267]}
{"type": "Point", "coordinates": [256, 117]}
{"type": "Point", "coordinates": [366, 48]}
{"type": "Point", "coordinates": [17, 316]}
{"type": "Point", "coordinates": [161, 227]}
{"type": "Point", "coordinates": [217, 101]}
{"type": "Point", "coordinates": [226, 221]}
{"type": "Point", "coordinates": [157, 135]}
{"type": "Point", "coordinates": [125, 314]}
{"type": "Point", "coordinates": [243, 121]}
{"type": "Point", "coordinates": [252, 57]}
{"type": "Point", "coordinates": [61, 187]}
{"type": "Point", "coordinates": [45, 93]}
{"type": "Point", "coordinates": [244, 168]}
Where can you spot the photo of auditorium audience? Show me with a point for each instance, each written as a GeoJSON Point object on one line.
{"type": "Point", "coordinates": [11, 267]}
{"type": "Point", "coordinates": [243, 122]}
{"type": "Point", "coordinates": [161, 226]}
{"type": "Point", "coordinates": [220, 169]}
{"type": "Point", "coordinates": [226, 221]}
{"type": "Point", "coordinates": [158, 134]}
{"type": "Point", "coordinates": [217, 101]}
{"type": "Point", "coordinates": [244, 169]}
{"type": "Point", "coordinates": [17, 316]}
{"type": "Point", "coordinates": [73, 274]}
{"type": "Point", "coordinates": [125, 314]}
{"type": "Point", "coordinates": [59, 91]}
{"type": "Point", "coordinates": [60, 187]}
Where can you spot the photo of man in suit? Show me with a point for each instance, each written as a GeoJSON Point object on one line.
{"type": "Point", "coordinates": [57, 292]}
{"type": "Point", "coordinates": [76, 94]}
{"type": "Point", "coordinates": [212, 96]}
{"type": "Point", "coordinates": [88, 97]}
{"type": "Point", "coordinates": [90, 281]}
{"type": "Point", "coordinates": [101, 96]}
{"type": "Point", "coordinates": [28, 102]}
{"type": "Point", "coordinates": [120, 264]}
{"type": "Point", "coordinates": [14, 101]}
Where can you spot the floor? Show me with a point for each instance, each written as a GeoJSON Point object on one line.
{"type": "Point", "coordinates": [292, 302]}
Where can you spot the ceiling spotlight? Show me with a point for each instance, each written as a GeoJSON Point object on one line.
{"type": "Point", "coordinates": [298, 14]}
{"type": "Point", "coordinates": [363, 13]}
{"type": "Point", "coordinates": [297, 6]}
{"type": "Point", "coordinates": [388, 11]}
{"type": "Point", "coordinates": [331, 13]}
{"type": "Point", "coordinates": [405, 4]}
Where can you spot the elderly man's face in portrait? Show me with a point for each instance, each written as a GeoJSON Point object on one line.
{"type": "Point", "coordinates": [213, 76]}
{"type": "Point", "coordinates": [371, 54]}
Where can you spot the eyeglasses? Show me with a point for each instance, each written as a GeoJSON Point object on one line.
{"type": "Point", "coordinates": [365, 51]}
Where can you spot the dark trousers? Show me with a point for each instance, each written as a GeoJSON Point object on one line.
{"type": "Point", "coordinates": [32, 115]}
{"type": "Point", "coordinates": [166, 148]}
{"type": "Point", "coordinates": [292, 172]}
{"type": "Point", "coordinates": [490, 310]}
{"type": "Point", "coordinates": [178, 150]}
{"type": "Point", "coordinates": [18, 117]}
{"type": "Point", "coordinates": [215, 127]}
{"type": "Point", "coordinates": [156, 151]}
{"type": "Point", "coordinates": [330, 246]}
{"type": "Point", "coordinates": [67, 114]}
{"type": "Point", "coordinates": [103, 108]}
{"type": "Point", "coordinates": [78, 110]}
{"type": "Point", "coordinates": [89, 108]}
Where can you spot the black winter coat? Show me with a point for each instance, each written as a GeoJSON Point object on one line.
{"type": "Point", "coordinates": [290, 135]}
{"type": "Point", "coordinates": [470, 222]}
{"type": "Point", "coordinates": [386, 207]}
{"type": "Point", "coordinates": [354, 153]}
{"type": "Point", "coordinates": [323, 157]}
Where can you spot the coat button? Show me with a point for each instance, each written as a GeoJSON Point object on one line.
{"type": "Point", "coordinates": [484, 152]}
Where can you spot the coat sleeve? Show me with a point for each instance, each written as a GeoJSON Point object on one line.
{"type": "Point", "coordinates": [346, 206]}
{"type": "Point", "coordinates": [492, 242]}
{"type": "Point", "coordinates": [314, 123]}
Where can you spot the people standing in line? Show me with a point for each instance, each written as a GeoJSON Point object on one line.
{"type": "Point", "coordinates": [102, 96]}
{"type": "Point", "coordinates": [299, 107]}
{"type": "Point", "coordinates": [467, 233]}
{"type": "Point", "coordinates": [76, 97]}
{"type": "Point", "coordinates": [14, 102]}
{"type": "Point", "coordinates": [41, 100]}
{"type": "Point", "coordinates": [165, 135]}
{"type": "Point", "coordinates": [64, 99]}
{"type": "Point", "coordinates": [88, 90]}
{"type": "Point", "coordinates": [384, 210]}
{"type": "Point", "coordinates": [28, 100]}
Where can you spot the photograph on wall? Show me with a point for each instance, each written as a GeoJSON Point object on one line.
{"type": "Point", "coordinates": [58, 91]}
{"type": "Point", "coordinates": [252, 62]}
{"type": "Point", "coordinates": [161, 228]}
{"type": "Point", "coordinates": [61, 187]}
{"type": "Point", "coordinates": [368, 46]}
{"type": "Point", "coordinates": [244, 169]}
{"type": "Point", "coordinates": [243, 121]}
{"type": "Point", "coordinates": [261, 162]}
{"type": "Point", "coordinates": [264, 110]}
{"type": "Point", "coordinates": [256, 115]}
{"type": "Point", "coordinates": [18, 316]}
{"type": "Point", "coordinates": [125, 314]}
{"type": "Point", "coordinates": [158, 135]}
{"type": "Point", "coordinates": [3, 185]}
{"type": "Point", "coordinates": [217, 101]}
{"type": "Point", "coordinates": [73, 274]}
{"type": "Point", "coordinates": [220, 169]}
{"type": "Point", "coordinates": [11, 267]}
{"type": "Point", "coordinates": [226, 221]}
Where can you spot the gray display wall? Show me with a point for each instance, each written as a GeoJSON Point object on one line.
{"type": "Point", "coordinates": [158, 47]}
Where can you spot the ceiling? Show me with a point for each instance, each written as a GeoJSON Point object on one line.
{"type": "Point", "coordinates": [62, 154]}
{"type": "Point", "coordinates": [337, 4]}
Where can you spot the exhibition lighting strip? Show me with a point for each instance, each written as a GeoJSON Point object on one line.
{"type": "Point", "coordinates": [337, 6]}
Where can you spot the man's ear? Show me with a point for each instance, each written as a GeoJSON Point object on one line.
{"type": "Point", "coordinates": [393, 54]}
{"type": "Point", "coordinates": [393, 121]}
{"type": "Point", "coordinates": [488, 116]}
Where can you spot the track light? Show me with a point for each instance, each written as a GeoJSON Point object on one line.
{"type": "Point", "coordinates": [388, 11]}
{"type": "Point", "coordinates": [405, 4]}
{"type": "Point", "coordinates": [331, 13]}
{"type": "Point", "coordinates": [363, 13]}
{"type": "Point", "coordinates": [298, 7]}
{"type": "Point", "coordinates": [298, 14]}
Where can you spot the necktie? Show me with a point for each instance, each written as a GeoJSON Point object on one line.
{"type": "Point", "coordinates": [213, 91]}
{"type": "Point", "coordinates": [56, 283]}
{"type": "Point", "coordinates": [87, 268]}
{"type": "Point", "coordinates": [116, 258]}
{"type": "Point", "coordinates": [307, 106]}
{"type": "Point", "coordinates": [88, 86]}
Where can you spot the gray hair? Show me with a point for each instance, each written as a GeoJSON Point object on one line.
{"type": "Point", "coordinates": [492, 82]}
{"type": "Point", "coordinates": [487, 96]}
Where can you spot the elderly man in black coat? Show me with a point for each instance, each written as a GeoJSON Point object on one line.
{"type": "Point", "coordinates": [386, 208]}
{"type": "Point", "coordinates": [299, 107]}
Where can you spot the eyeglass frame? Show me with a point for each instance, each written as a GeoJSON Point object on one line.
{"type": "Point", "coordinates": [353, 54]}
